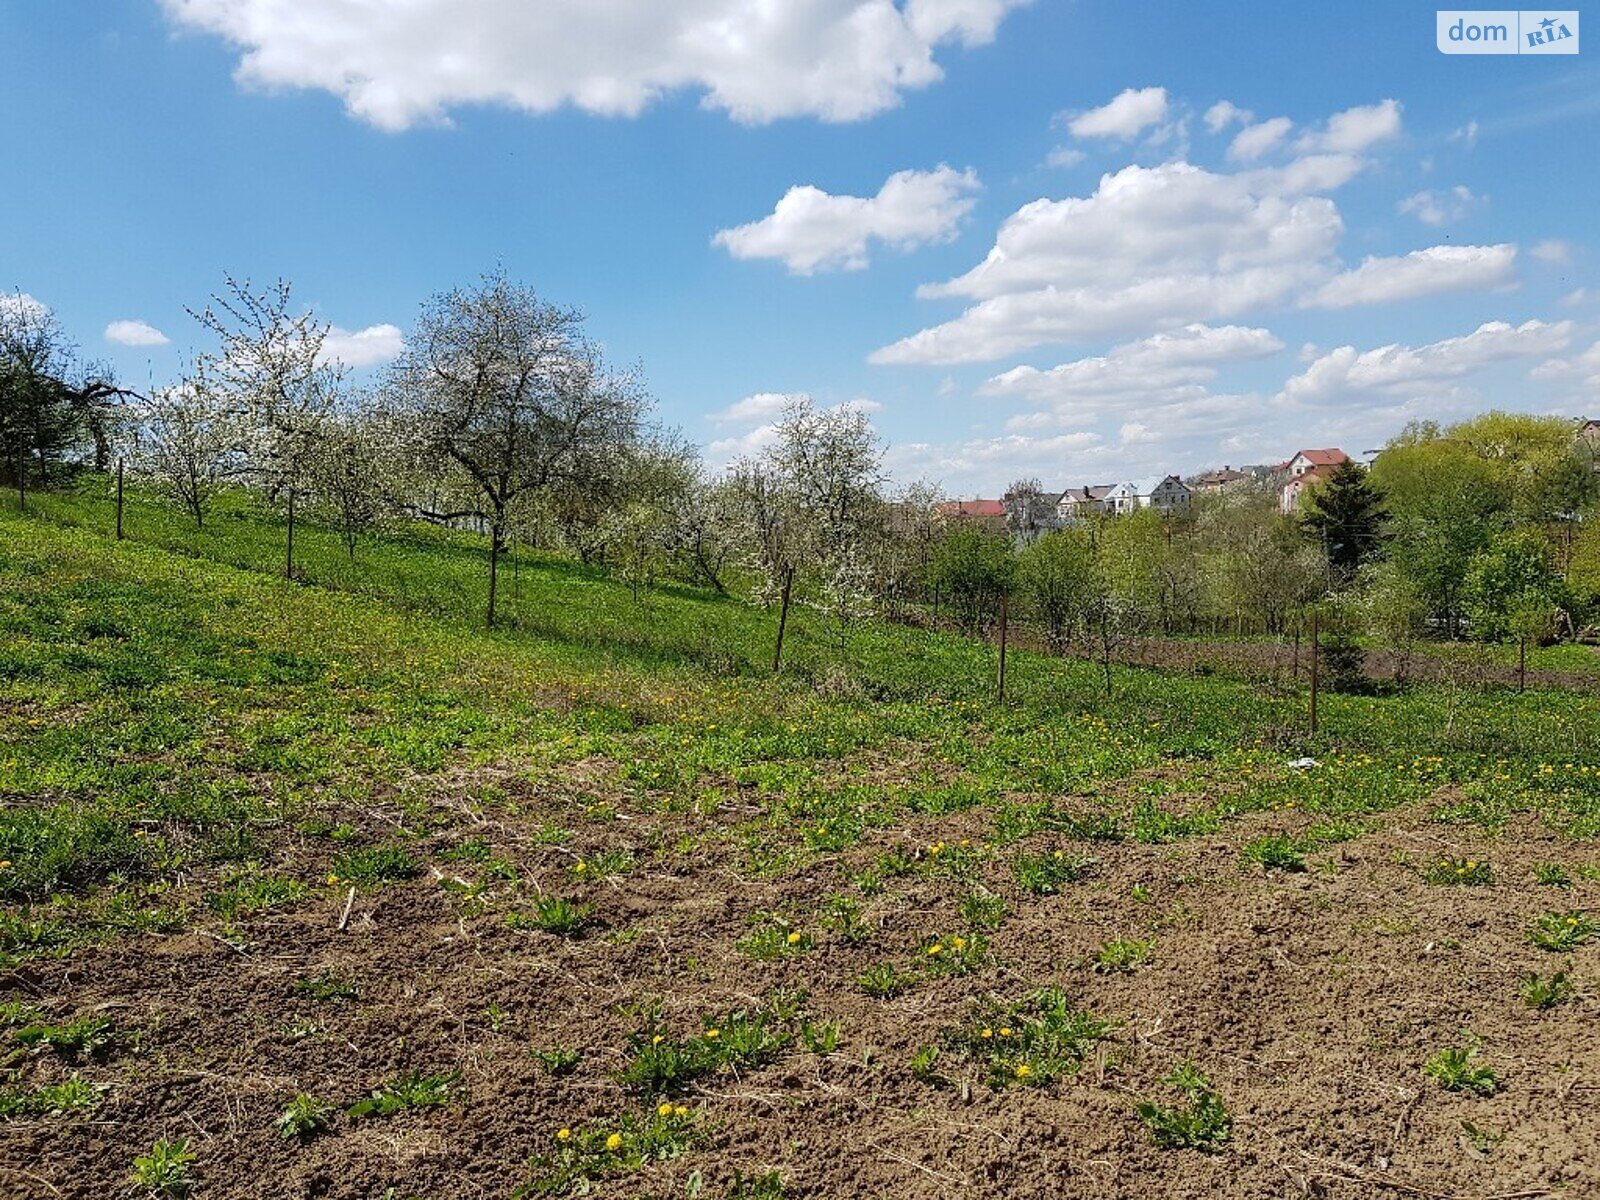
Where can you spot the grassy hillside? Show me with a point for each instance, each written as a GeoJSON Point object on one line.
{"type": "Point", "coordinates": [329, 837]}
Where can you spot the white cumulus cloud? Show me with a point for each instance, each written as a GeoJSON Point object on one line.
{"type": "Point", "coordinates": [1152, 248]}
{"type": "Point", "coordinates": [1552, 250]}
{"type": "Point", "coordinates": [1404, 370]}
{"type": "Point", "coordinates": [812, 230]}
{"type": "Point", "coordinates": [762, 406]}
{"type": "Point", "coordinates": [1442, 207]}
{"type": "Point", "coordinates": [1355, 130]}
{"type": "Point", "coordinates": [1253, 141]}
{"type": "Point", "coordinates": [1436, 269]}
{"type": "Point", "coordinates": [363, 347]}
{"type": "Point", "coordinates": [1151, 365]}
{"type": "Point", "coordinates": [1125, 116]}
{"type": "Point", "coordinates": [1224, 113]}
{"type": "Point", "coordinates": [395, 63]}
{"type": "Point", "coordinates": [135, 333]}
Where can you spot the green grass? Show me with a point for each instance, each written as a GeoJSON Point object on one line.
{"type": "Point", "coordinates": [172, 710]}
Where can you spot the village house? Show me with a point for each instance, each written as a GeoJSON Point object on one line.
{"type": "Point", "coordinates": [1305, 470]}
{"type": "Point", "coordinates": [1079, 503]}
{"type": "Point", "coordinates": [1295, 489]}
{"type": "Point", "coordinates": [1310, 460]}
{"type": "Point", "coordinates": [988, 515]}
{"type": "Point", "coordinates": [1224, 479]}
{"type": "Point", "coordinates": [1166, 493]}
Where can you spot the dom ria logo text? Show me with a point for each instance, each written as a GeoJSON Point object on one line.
{"type": "Point", "coordinates": [1507, 31]}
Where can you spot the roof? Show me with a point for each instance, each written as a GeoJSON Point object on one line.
{"type": "Point", "coordinates": [971, 508]}
{"type": "Point", "coordinates": [1321, 458]}
{"type": "Point", "coordinates": [1217, 477]}
{"type": "Point", "coordinates": [1314, 475]}
{"type": "Point", "coordinates": [1147, 486]}
{"type": "Point", "coordinates": [1087, 494]}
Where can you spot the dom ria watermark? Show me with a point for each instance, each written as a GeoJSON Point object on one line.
{"type": "Point", "coordinates": [1507, 31]}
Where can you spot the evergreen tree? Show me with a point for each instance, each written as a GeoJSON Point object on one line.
{"type": "Point", "coordinates": [1347, 515]}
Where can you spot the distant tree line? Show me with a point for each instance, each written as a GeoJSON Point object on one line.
{"type": "Point", "coordinates": [504, 417]}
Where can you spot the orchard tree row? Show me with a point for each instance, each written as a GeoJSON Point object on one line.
{"type": "Point", "coordinates": [502, 416]}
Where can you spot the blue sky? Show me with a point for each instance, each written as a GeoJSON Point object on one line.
{"type": "Point", "coordinates": [1372, 231]}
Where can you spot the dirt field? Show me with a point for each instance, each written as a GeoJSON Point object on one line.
{"type": "Point", "coordinates": [1313, 999]}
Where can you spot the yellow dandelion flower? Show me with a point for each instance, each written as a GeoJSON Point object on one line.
{"type": "Point", "coordinates": [1023, 1070]}
{"type": "Point", "coordinates": [958, 943]}
{"type": "Point", "coordinates": [332, 879]}
{"type": "Point", "coordinates": [794, 938]}
{"type": "Point", "coordinates": [614, 1142]}
{"type": "Point", "coordinates": [935, 950]}
{"type": "Point", "coordinates": [1005, 1031]}
{"type": "Point", "coordinates": [580, 866]}
{"type": "Point", "coordinates": [713, 1033]}
{"type": "Point", "coordinates": [563, 1134]}
{"type": "Point", "coordinates": [987, 1033]}
{"type": "Point", "coordinates": [681, 1111]}
{"type": "Point", "coordinates": [657, 1040]}
{"type": "Point", "coordinates": [664, 1110]}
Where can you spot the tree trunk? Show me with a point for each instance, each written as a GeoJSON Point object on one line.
{"type": "Point", "coordinates": [288, 544]}
{"type": "Point", "coordinates": [1316, 654]}
{"type": "Point", "coordinates": [1000, 675]}
{"type": "Point", "coordinates": [783, 620]}
{"type": "Point", "coordinates": [495, 536]}
{"type": "Point", "coordinates": [119, 499]}
{"type": "Point", "coordinates": [1522, 663]}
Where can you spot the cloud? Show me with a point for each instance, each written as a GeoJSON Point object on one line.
{"type": "Point", "coordinates": [395, 64]}
{"type": "Point", "coordinates": [1224, 113]}
{"type": "Point", "coordinates": [1065, 156]}
{"type": "Point", "coordinates": [1153, 247]}
{"type": "Point", "coordinates": [1125, 116]}
{"type": "Point", "coordinates": [1420, 273]}
{"type": "Point", "coordinates": [1442, 207]}
{"type": "Point", "coordinates": [1161, 364]}
{"type": "Point", "coordinates": [760, 407]}
{"type": "Point", "coordinates": [765, 407]}
{"type": "Point", "coordinates": [1397, 370]}
{"type": "Point", "coordinates": [1355, 130]}
{"type": "Point", "coordinates": [811, 230]}
{"type": "Point", "coordinates": [1581, 370]}
{"type": "Point", "coordinates": [727, 450]}
{"type": "Point", "coordinates": [363, 347]}
{"type": "Point", "coordinates": [15, 305]}
{"type": "Point", "coordinates": [1253, 141]}
{"type": "Point", "coordinates": [1552, 250]}
{"type": "Point", "coordinates": [1467, 135]}
{"type": "Point", "coordinates": [135, 333]}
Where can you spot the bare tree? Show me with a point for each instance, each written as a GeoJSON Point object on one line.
{"type": "Point", "coordinates": [502, 388]}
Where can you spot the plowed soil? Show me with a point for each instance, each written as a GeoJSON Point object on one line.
{"type": "Point", "coordinates": [1311, 999]}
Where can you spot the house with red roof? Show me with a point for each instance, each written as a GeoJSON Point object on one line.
{"type": "Point", "coordinates": [1298, 485]}
{"type": "Point", "coordinates": [1310, 460]}
{"type": "Point", "coordinates": [985, 514]}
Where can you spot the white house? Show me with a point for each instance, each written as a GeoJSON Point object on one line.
{"type": "Point", "coordinates": [1166, 493]}
{"type": "Point", "coordinates": [1122, 498]}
